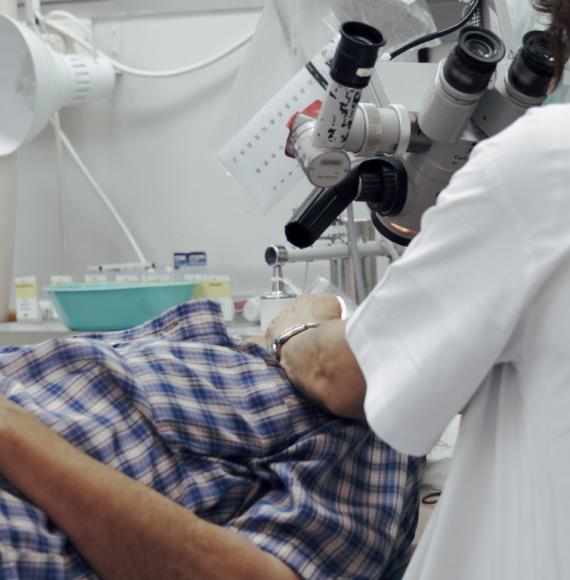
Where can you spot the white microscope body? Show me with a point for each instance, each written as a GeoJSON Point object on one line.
{"type": "Point", "coordinates": [395, 160]}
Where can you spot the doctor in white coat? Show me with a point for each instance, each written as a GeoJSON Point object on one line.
{"type": "Point", "coordinates": [474, 318]}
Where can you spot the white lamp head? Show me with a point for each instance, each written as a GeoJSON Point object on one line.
{"type": "Point", "coordinates": [36, 81]}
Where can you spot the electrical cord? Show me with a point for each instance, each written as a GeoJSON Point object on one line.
{"type": "Point", "coordinates": [135, 71]}
{"type": "Point", "coordinates": [98, 190]}
{"type": "Point", "coordinates": [56, 121]}
{"type": "Point", "coordinates": [476, 5]}
{"type": "Point", "coordinates": [76, 21]}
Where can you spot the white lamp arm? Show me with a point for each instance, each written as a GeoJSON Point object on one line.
{"type": "Point", "coordinates": [32, 8]}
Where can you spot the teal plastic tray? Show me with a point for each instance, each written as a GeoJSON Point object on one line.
{"type": "Point", "coordinates": [105, 307]}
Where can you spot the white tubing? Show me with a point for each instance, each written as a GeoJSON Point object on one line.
{"type": "Point", "coordinates": [146, 73]}
{"type": "Point", "coordinates": [31, 7]}
{"type": "Point", "coordinates": [8, 199]}
{"type": "Point", "coordinates": [390, 249]}
{"type": "Point", "coordinates": [69, 16]}
{"type": "Point", "coordinates": [124, 228]}
{"type": "Point", "coordinates": [60, 193]}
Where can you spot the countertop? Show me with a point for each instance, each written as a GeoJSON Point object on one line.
{"type": "Point", "coordinates": [17, 333]}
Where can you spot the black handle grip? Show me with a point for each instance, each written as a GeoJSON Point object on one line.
{"type": "Point", "coordinates": [320, 210]}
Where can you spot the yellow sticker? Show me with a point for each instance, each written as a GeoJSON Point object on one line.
{"type": "Point", "coordinates": [27, 305]}
{"type": "Point", "coordinates": [217, 289]}
{"type": "Point", "coordinates": [26, 287]}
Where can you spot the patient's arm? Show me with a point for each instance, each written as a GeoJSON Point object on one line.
{"type": "Point", "coordinates": [122, 528]}
{"type": "Point", "coordinates": [319, 361]}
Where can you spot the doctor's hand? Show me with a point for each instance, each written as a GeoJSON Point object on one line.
{"type": "Point", "coordinates": [307, 308]}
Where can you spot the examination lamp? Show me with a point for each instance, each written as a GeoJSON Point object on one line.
{"type": "Point", "coordinates": [36, 81]}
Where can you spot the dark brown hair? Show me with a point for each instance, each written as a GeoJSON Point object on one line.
{"type": "Point", "coordinates": [559, 29]}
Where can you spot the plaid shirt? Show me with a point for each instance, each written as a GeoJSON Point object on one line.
{"type": "Point", "coordinates": [206, 420]}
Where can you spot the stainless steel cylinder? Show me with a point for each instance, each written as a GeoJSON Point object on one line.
{"type": "Point", "coordinates": [342, 269]}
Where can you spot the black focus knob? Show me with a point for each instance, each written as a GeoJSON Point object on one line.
{"type": "Point", "coordinates": [371, 184]}
{"type": "Point", "coordinates": [383, 185]}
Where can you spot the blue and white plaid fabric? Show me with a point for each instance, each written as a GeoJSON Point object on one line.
{"type": "Point", "coordinates": [208, 421]}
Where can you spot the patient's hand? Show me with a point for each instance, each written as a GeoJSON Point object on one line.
{"type": "Point", "coordinates": [133, 531]}
{"type": "Point", "coordinates": [8, 409]}
{"type": "Point", "coordinates": [6, 403]}
{"type": "Point", "coordinates": [307, 308]}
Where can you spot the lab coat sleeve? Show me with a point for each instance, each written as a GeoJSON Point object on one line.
{"type": "Point", "coordinates": [441, 318]}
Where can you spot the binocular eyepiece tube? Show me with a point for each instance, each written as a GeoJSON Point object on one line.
{"type": "Point", "coordinates": [460, 83]}
{"type": "Point", "coordinates": [351, 69]}
{"type": "Point", "coordinates": [525, 84]}
{"type": "Point", "coordinates": [533, 67]}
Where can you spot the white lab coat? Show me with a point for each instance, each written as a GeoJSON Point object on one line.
{"type": "Point", "coordinates": [476, 316]}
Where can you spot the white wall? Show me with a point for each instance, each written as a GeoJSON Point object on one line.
{"type": "Point", "coordinates": [149, 147]}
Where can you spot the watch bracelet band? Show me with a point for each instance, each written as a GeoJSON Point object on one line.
{"type": "Point", "coordinates": [287, 334]}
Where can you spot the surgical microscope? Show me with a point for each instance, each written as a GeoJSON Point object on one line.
{"type": "Point", "coordinates": [395, 160]}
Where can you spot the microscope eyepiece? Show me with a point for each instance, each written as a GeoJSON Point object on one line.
{"type": "Point", "coordinates": [473, 60]}
{"type": "Point", "coordinates": [537, 51]}
{"type": "Point", "coordinates": [357, 50]}
{"type": "Point", "coordinates": [533, 67]}
{"type": "Point", "coordinates": [481, 48]}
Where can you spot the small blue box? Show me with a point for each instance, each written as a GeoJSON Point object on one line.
{"type": "Point", "coordinates": [184, 260]}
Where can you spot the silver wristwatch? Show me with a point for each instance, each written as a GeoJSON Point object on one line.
{"type": "Point", "coordinates": [290, 332]}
